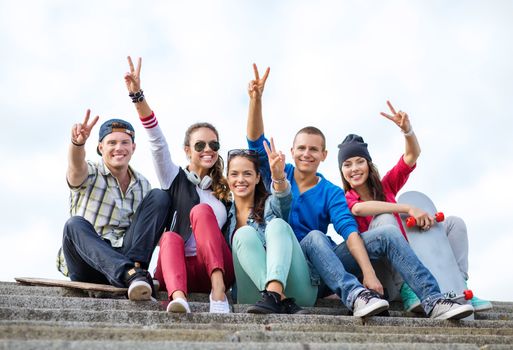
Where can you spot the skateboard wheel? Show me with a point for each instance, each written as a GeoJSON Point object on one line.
{"type": "Point", "coordinates": [468, 294]}
{"type": "Point", "coordinates": [411, 222]}
{"type": "Point", "coordinates": [439, 217]}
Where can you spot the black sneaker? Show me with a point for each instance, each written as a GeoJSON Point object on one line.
{"type": "Point", "coordinates": [270, 304]}
{"type": "Point", "coordinates": [289, 306]}
{"type": "Point", "coordinates": [140, 284]}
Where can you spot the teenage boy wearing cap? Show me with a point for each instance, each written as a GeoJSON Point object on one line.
{"type": "Point", "coordinates": [316, 203]}
{"type": "Point", "coordinates": [116, 219]}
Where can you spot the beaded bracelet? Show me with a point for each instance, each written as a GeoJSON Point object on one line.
{"type": "Point", "coordinates": [278, 182]}
{"type": "Point", "coordinates": [137, 96]}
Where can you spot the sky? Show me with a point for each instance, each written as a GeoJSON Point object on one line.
{"type": "Point", "coordinates": [333, 65]}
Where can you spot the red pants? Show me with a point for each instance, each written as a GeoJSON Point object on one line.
{"type": "Point", "coordinates": [175, 271]}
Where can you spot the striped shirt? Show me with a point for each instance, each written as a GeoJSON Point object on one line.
{"type": "Point", "coordinates": [100, 201]}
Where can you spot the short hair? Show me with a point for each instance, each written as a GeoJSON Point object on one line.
{"type": "Point", "coordinates": [312, 130]}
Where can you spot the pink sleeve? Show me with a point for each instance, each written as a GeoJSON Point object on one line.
{"type": "Point", "coordinates": [351, 198]}
{"type": "Point", "coordinates": [395, 179]}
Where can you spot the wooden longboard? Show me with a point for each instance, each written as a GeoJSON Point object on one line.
{"type": "Point", "coordinates": [432, 247]}
{"type": "Point", "coordinates": [83, 286]}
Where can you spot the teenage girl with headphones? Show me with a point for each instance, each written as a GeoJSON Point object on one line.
{"type": "Point", "coordinates": [193, 256]}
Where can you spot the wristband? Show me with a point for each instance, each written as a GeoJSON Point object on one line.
{"type": "Point", "coordinates": [278, 181]}
{"type": "Point", "coordinates": [137, 96]}
{"type": "Point", "coordinates": [409, 133]}
{"type": "Point", "coordinates": [77, 144]}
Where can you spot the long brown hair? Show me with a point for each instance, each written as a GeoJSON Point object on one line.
{"type": "Point", "coordinates": [261, 193]}
{"type": "Point", "coordinates": [219, 184]}
{"type": "Point", "coordinates": [373, 182]}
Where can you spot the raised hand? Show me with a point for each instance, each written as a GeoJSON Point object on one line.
{"type": "Point", "coordinates": [133, 78]}
{"type": "Point", "coordinates": [256, 86]}
{"type": "Point", "coordinates": [399, 118]}
{"type": "Point", "coordinates": [80, 132]}
{"type": "Point", "coordinates": [276, 161]}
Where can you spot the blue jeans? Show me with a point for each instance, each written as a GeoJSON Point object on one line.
{"type": "Point", "coordinates": [319, 250]}
{"type": "Point", "coordinates": [92, 259]}
{"type": "Point", "coordinates": [387, 242]}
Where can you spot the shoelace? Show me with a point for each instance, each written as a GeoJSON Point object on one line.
{"type": "Point", "coordinates": [368, 295]}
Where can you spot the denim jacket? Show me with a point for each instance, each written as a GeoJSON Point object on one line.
{"type": "Point", "coordinates": [277, 205]}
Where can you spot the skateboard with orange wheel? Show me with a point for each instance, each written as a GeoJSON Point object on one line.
{"type": "Point", "coordinates": [433, 249]}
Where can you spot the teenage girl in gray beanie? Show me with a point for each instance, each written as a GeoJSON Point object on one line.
{"type": "Point", "coordinates": [368, 196]}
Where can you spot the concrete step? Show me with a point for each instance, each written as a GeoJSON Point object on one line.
{"type": "Point", "coordinates": [158, 345]}
{"type": "Point", "coordinates": [19, 332]}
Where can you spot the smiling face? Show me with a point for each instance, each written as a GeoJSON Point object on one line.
{"type": "Point", "coordinates": [117, 149]}
{"type": "Point", "coordinates": [308, 152]}
{"type": "Point", "coordinates": [355, 171]}
{"type": "Point", "coordinates": [242, 177]}
{"type": "Point", "coordinates": [201, 161]}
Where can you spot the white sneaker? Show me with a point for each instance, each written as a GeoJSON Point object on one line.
{"type": "Point", "coordinates": [219, 306]}
{"type": "Point", "coordinates": [445, 309]}
{"type": "Point", "coordinates": [178, 305]}
{"type": "Point", "coordinates": [139, 290]}
{"type": "Point", "coordinates": [369, 303]}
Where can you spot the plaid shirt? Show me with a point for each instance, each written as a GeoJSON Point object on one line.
{"type": "Point", "coordinates": [101, 202]}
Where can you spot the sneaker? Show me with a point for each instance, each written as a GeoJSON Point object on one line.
{"type": "Point", "coordinates": [219, 306]}
{"type": "Point", "coordinates": [289, 306]}
{"type": "Point", "coordinates": [178, 305]}
{"type": "Point", "coordinates": [480, 304]}
{"type": "Point", "coordinates": [269, 304]}
{"type": "Point", "coordinates": [445, 309]}
{"type": "Point", "coordinates": [138, 282]}
{"type": "Point", "coordinates": [369, 303]}
{"type": "Point", "coordinates": [411, 303]}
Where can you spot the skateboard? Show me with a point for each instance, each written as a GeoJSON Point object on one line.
{"type": "Point", "coordinates": [92, 289]}
{"type": "Point", "coordinates": [433, 249]}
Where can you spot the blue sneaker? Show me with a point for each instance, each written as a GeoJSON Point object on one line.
{"type": "Point", "coordinates": [411, 303]}
{"type": "Point", "coordinates": [479, 304]}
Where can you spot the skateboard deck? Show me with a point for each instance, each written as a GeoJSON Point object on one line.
{"type": "Point", "coordinates": [92, 289]}
{"type": "Point", "coordinates": [432, 247]}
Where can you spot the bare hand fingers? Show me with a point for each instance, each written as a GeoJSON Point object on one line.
{"type": "Point", "coordinates": [266, 74]}
{"type": "Point", "coordinates": [388, 116]}
{"type": "Point", "coordinates": [273, 147]}
{"type": "Point", "coordinates": [255, 70]}
{"type": "Point", "coordinates": [86, 119]}
{"type": "Point", "coordinates": [130, 64]}
{"type": "Point", "coordinates": [93, 123]}
{"type": "Point", "coordinates": [139, 64]}
{"type": "Point", "coordinates": [391, 107]}
{"type": "Point", "coordinates": [267, 150]}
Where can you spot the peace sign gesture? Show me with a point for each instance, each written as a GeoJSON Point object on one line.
{"type": "Point", "coordinates": [133, 79]}
{"type": "Point", "coordinates": [276, 162]}
{"type": "Point", "coordinates": [399, 118]}
{"type": "Point", "coordinates": [256, 86]}
{"type": "Point", "coordinates": [80, 132]}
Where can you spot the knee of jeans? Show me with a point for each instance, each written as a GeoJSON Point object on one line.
{"type": "Point", "coordinates": [244, 236]}
{"type": "Point", "coordinates": [73, 224]}
{"type": "Point", "coordinates": [160, 197]}
{"type": "Point", "coordinates": [200, 210]}
{"type": "Point", "coordinates": [277, 226]}
{"type": "Point", "coordinates": [170, 238]}
{"type": "Point", "coordinates": [383, 219]}
{"type": "Point", "coordinates": [314, 238]}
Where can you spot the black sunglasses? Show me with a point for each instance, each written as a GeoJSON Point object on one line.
{"type": "Point", "coordinates": [242, 152]}
{"type": "Point", "coordinates": [200, 145]}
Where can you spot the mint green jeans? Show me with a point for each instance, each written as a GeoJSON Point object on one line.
{"type": "Point", "coordinates": [281, 260]}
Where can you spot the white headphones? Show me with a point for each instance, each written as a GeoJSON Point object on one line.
{"type": "Point", "coordinates": [204, 183]}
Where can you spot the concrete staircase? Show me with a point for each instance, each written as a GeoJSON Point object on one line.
{"type": "Point", "coordinates": [52, 317]}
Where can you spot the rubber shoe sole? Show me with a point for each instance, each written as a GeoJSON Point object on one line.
{"type": "Point", "coordinates": [373, 309]}
{"type": "Point", "coordinates": [178, 305]}
{"type": "Point", "coordinates": [456, 313]}
{"type": "Point", "coordinates": [139, 290]}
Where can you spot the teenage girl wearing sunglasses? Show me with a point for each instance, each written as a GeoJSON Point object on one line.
{"type": "Point", "coordinates": [193, 256]}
